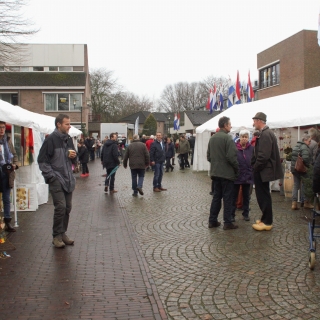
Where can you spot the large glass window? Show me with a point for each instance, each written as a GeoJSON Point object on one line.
{"type": "Point", "coordinates": [38, 68]}
{"type": "Point", "coordinates": [65, 68]}
{"type": "Point", "coordinates": [53, 68]}
{"type": "Point", "coordinates": [63, 101]}
{"type": "Point", "coordinates": [269, 76]}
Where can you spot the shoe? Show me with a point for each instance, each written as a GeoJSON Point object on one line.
{"type": "Point", "coordinates": [87, 174]}
{"type": "Point", "coordinates": [246, 218]}
{"type": "Point", "coordinates": [214, 224]}
{"type": "Point", "coordinates": [294, 205]}
{"type": "Point", "coordinates": [8, 227]}
{"type": "Point", "coordinates": [211, 193]}
{"type": "Point", "coordinates": [308, 205]}
{"type": "Point", "coordinates": [261, 226]}
{"type": "Point", "coordinates": [106, 189]}
{"type": "Point", "coordinates": [156, 190]}
{"type": "Point", "coordinates": [172, 169]}
{"type": "Point", "coordinates": [162, 189]}
{"type": "Point", "coordinates": [57, 242]}
{"type": "Point", "coordinates": [113, 191]}
{"type": "Point", "coordinates": [66, 240]}
{"type": "Point", "coordinates": [229, 226]}
{"type": "Point", "coordinates": [83, 175]}
{"type": "Point", "coordinates": [140, 191]}
{"type": "Point", "coordinates": [134, 194]}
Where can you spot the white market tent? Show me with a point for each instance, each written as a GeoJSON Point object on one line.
{"type": "Point", "coordinates": [285, 111]}
{"type": "Point", "coordinates": [40, 125]}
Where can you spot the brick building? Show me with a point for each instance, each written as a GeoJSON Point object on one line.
{"type": "Point", "coordinates": [49, 79]}
{"type": "Point", "coordinates": [290, 65]}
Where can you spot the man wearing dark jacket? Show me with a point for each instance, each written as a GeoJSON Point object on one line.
{"type": "Point", "coordinates": [110, 160]}
{"type": "Point", "coordinates": [157, 158]}
{"type": "Point", "coordinates": [139, 159]}
{"type": "Point", "coordinates": [222, 155]}
{"type": "Point", "coordinates": [55, 160]}
{"type": "Point", "coordinates": [266, 167]}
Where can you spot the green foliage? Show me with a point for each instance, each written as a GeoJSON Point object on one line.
{"type": "Point", "coordinates": [307, 183]}
{"type": "Point", "coordinates": [150, 126]}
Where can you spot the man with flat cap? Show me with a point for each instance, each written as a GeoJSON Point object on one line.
{"type": "Point", "coordinates": [266, 167]}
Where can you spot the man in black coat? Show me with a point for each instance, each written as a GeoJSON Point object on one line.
{"type": "Point", "coordinates": [109, 160]}
{"type": "Point", "coordinates": [266, 167]}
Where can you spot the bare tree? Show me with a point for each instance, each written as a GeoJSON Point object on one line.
{"type": "Point", "coordinates": [13, 27]}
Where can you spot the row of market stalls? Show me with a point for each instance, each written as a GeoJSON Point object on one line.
{"type": "Point", "coordinates": [28, 131]}
{"type": "Point", "coordinates": [286, 115]}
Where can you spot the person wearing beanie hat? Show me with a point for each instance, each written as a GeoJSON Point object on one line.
{"type": "Point", "coordinates": [266, 167]}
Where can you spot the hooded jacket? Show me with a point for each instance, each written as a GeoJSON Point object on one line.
{"type": "Point", "coordinates": [54, 162]}
{"type": "Point", "coordinates": [110, 155]}
{"type": "Point", "coordinates": [244, 160]}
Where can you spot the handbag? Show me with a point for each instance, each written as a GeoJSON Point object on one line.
{"type": "Point", "coordinates": [299, 166]}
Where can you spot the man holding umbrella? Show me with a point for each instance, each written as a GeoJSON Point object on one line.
{"type": "Point", "coordinates": [110, 160]}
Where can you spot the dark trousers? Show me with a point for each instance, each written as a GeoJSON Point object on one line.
{"type": "Point", "coordinates": [223, 189]}
{"type": "Point", "coordinates": [264, 199]}
{"type": "Point", "coordinates": [110, 182]}
{"type": "Point", "coordinates": [245, 197]}
{"type": "Point", "coordinates": [137, 176]}
{"type": "Point", "coordinates": [91, 152]}
{"type": "Point", "coordinates": [184, 160]}
{"type": "Point", "coordinates": [192, 152]}
{"type": "Point", "coordinates": [84, 168]}
{"type": "Point", "coordinates": [168, 164]}
{"type": "Point", "coordinates": [62, 202]}
{"type": "Point", "coordinates": [5, 193]}
{"type": "Point", "coordinates": [158, 173]}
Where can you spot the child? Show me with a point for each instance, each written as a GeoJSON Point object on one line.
{"type": "Point", "coordinates": [83, 155]}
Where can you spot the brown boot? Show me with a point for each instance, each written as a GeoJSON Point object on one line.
{"type": "Point", "coordinates": [294, 205]}
{"type": "Point", "coordinates": [308, 205]}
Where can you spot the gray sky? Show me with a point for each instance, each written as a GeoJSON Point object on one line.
{"type": "Point", "coordinates": [150, 44]}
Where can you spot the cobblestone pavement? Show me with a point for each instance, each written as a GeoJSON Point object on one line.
{"type": "Point", "coordinates": [103, 276]}
{"type": "Point", "coordinates": [130, 250]}
{"type": "Point", "coordinates": [204, 273]}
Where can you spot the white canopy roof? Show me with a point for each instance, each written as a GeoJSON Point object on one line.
{"type": "Point", "coordinates": [285, 111]}
{"type": "Point", "coordinates": [21, 117]}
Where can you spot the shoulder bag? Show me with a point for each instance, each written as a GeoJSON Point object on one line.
{"type": "Point", "coordinates": [299, 166]}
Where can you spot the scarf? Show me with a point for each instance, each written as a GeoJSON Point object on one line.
{"type": "Point", "coordinates": [7, 156]}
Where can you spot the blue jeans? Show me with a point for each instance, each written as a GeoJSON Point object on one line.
{"type": "Point", "coordinates": [297, 184]}
{"type": "Point", "coordinates": [110, 181]}
{"type": "Point", "coordinates": [223, 189]}
{"type": "Point", "coordinates": [98, 152]}
{"type": "Point", "coordinates": [5, 194]}
{"type": "Point", "coordinates": [137, 173]}
{"type": "Point", "coordinates": [158, 173]}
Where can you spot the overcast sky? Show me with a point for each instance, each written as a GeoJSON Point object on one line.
{"type": "Point", "coordinates": [150, 44]}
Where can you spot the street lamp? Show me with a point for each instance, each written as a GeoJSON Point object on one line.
{"type": "Point", "coordinates": [169, 125]}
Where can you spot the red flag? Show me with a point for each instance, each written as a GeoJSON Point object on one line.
{"type": "Point", "coordinates": [238, 97]}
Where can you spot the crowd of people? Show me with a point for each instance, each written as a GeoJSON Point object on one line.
{"type": "Point", "coordinates": [234, 164]}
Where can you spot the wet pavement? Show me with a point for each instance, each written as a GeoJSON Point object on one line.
{"type": "Point", "coordinates": [153, 257]}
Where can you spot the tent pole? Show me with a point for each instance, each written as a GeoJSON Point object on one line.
{"type": "Point", "coordinates": [14, 186]}
{"type": "Point", "coordinates": [298, 140]}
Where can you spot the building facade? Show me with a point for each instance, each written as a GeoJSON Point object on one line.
{"type": "Point", "coordinates": [49, 79]}
{"type": "Point", "coordinates": [290, 65]}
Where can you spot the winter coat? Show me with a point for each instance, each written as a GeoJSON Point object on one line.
{"type": "Point", "coordinates": [169, 149]}
{"type": "Point", "coordinates": [12, 174]}
{"type": "Point", "coordinates": [266, 158]}
{"type": "Point", "coordinates": [89, 143]}
{"type": "Point", "coordinates": [313, 147]}
{"type": "Point", "coordinates": [54, 161]}
{"type": "Point", "coordinates": [149, 143]}
{"type": "Point", "coordinates": [222, 155]}
{"type": "Point", "coordinates": [157, 153]}
{"type": "Point", "coordinates": [304, 151]}
{"type": "Point", "coordinates": [244, 160]}
{"type": "Point", "coordinates": [110, 155]}
{"type": "Point", "coordinates": [192, 142]}
{"type": "Point", "coordinates": [184, 146]}
{"type": "Point", "coordinates": [83, 154]}
{"type": "Point", "coordinates": [138, 155]}
{"type": "Point", "coordinates": [316, 176]}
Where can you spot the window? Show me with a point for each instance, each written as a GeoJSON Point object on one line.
{"type": "Point", "coordinates": [10, 97]}
{"type": "Point", "coordinates": [14, 68]}
{"type": "Point", "coordinates": [63, 101]}
{"type": "Point", "coordinates": [269, 76]}
{"type": "Point", "coordinates": [77, 68]}
{"type": "Point", "coordinates": [65, 68]}
{"type": "Point", "coordinates": [24, 69]}
{"type": "Point", "coordinates": [38, 68]}
{"type": "Point", "coordinates": [53, 68]}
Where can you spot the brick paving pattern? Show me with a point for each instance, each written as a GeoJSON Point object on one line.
{"type": "Point", "coordinates": [131, 251]}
